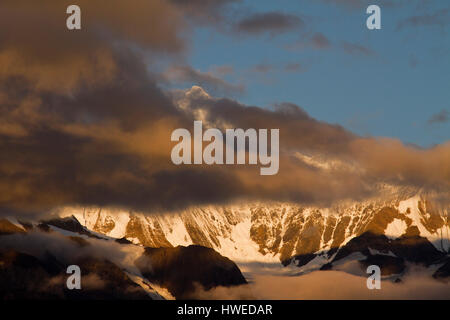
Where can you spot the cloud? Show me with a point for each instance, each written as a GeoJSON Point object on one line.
{"type": "Point", "coordinates": [208, 80]}
{"type": "Point", "coordinates": [40, 244]}
{"type": "Point", "coordinates": [358, 4]}
{"type": "Point", "coordinates": [442, 116]}
{"type": "Point", "coordinates": [222, 70]}
{"type": "Point", "coordinates": [319, 41]}
{"type": "Point", "coordinates": [294, 67]}
{"type": "Point", "coordinates": [440, 18]}
{"type": "Point", "coordinates": [262, 68]}
{"type": "Point", "coordinates": [269, 22]}
{"type": "Point", "coordinates": [300, 132]}
{"type": "Point", "coordinates": [356, 49]}
{"type": "Point", "coordinates": [85, 121]}
{"type": "Point", "coordinates": [331, 285]}
{"type": "Point", "coordinates": [268, 69]}
{"type": "Point", "coordinates": [56, 58]}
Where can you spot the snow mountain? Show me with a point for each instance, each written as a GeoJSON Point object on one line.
{"type": "Point", "coordinates": [403, 226]}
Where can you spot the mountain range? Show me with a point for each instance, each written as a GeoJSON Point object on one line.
{"type": "Point", "coordinates": [169, 255]}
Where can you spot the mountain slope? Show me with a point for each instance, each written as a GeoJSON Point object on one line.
{"type": "Point", "coordinates": [308, 237]}
{"type": "Point", "coordinates": [34, 260]}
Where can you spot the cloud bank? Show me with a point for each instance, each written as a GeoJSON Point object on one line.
{"type": "Point", "coordinates": [331, 285]}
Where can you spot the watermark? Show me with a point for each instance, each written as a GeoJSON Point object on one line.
{"type": "Point", "coordinates": [226, 309]}
{"type": "Point", "coordinates": [373, 22]}
{"type": "Point", "coordinates": [374, 280]}
{"type": "Point", "coordinates": [73, 281]}
{"type": "Point", "coordinates": [221, 152]}
{"type": "Point", "coordinates": [73, 22]}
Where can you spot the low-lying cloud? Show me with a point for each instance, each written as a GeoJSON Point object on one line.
{"type": "Point", "coordinates": [331, 285]}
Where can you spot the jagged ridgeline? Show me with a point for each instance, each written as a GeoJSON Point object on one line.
{"type": "Point", "coordinates": [34, 258]}
{"type": "Point", "coordinates": [130, 255]}
{"type": "Point", "coordinates": [401, 226]}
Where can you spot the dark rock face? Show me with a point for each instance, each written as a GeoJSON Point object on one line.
{"type": "Point", "coordinates": [23, 276]}
{"type": "Point", "coordinates": [415, 248]}
{"type": "Point", "coordinates": [410, 247]}
{"type": "Point", "coordinates": [105, 280]}
{"type": "Point", "coordinates": [180, 269]}
{"type": "Point", "coordinates": [362, 244]}
{"type": "Point", "coordinates": [388, 265]}
{"type": "Point", "coordinates": [443, 273]}
{"type": "Point", "coordinates": [123, 241]}
{"type": "Point", "coordinates": [43, 276]}
{"type": "Point", "coordinates": [69, 224]}
{"type": "Point", "coordinates": [7, 227]}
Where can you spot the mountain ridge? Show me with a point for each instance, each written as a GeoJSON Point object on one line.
{"type": "Point", "coordinates": [309, 238]}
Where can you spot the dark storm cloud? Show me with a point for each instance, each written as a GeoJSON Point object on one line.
{"type": "Point", "coordinates": [36, 44]}
{"type": "Point", "coordinates": [320, 41]}
{"type": "Point", "coordinates": [262, 68]}
{"type": "Point", "coordinates": [205, 11]}
{"type": "Point", "coordinates": [294, 67]}
{"type": "Point", "coordinates": [358, 164]}
{"type": "Point", "coordinates": [269, 22]}
{"type": "Point", "coordinates": [71, 100]}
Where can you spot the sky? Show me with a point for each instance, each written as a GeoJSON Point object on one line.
{"type": "Point", "coordinates": [393, 82]}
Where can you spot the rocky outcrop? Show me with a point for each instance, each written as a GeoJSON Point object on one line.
{"type": "Point", "coordinates": [183, 270]}
{"type": "Point", "coordinates": [126, 271]}
{"type": "Point", "coordinates": [443, 273]}
{"type": "Point", "coordinates": [67, 223]}
{"type": "Point", "coordinates": [23, 276]}
{"type": "Point", "coordinates": [6, 227]}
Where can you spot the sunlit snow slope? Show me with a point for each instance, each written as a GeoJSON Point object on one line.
{"type": "Point", "coordinates": [276, 232]}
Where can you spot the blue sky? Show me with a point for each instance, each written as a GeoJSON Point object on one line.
{"type": "Point", "coordinates": [389, 82]}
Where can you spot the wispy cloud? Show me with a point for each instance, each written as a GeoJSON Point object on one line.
{"type": "Point", "coordinates": [269, 22]}
{"type": "Point", "coordinates": [439, 18]}
{"type": "Point", "coordinates": [441, 117]}
{"type": "Point", "coordinates": [356, 49]}
{"type": "Point", "coordinates": [209, 80]}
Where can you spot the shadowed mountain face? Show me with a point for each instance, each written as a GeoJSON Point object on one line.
{"type": "Point", "coordinates": [398, 228]}
{"type": "Point", "coordinates": [34, 260]}
{"type": "Point", "coordinates": [6, 227]}
{"type": "Point", "coordinates": [181, 269]}
{"type": "Point", "coordinates": [443, 273]}
{"type": "Point", "coordinates": [23, 276]}
{"type": "Point", "coordinates": [391, 255]}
